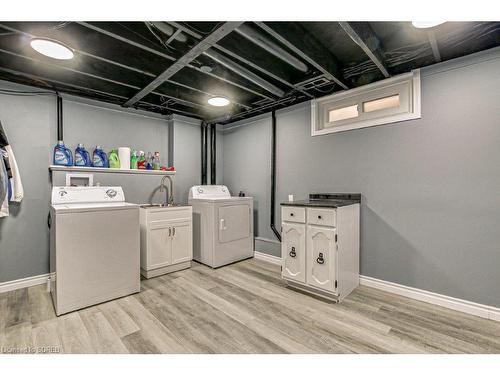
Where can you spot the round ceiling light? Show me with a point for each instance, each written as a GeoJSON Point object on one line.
{"type": "Point", "coordinates": [426, 24]}
{"type": "Point", "coordinates": [206, 69]}
{"type": "Point", "coordinates": [52, 48]}
{"type": "Point", "coordinates": [218, 101]}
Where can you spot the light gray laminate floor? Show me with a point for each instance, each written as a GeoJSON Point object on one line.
{"type": "Point", "coordinates": [241, 308]}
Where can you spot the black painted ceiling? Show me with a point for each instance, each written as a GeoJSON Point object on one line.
{"type": "Point", "coordinates": [116, 60]}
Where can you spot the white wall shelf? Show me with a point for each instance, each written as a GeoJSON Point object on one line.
{"type": "Point", "coordinates": [61, 168]}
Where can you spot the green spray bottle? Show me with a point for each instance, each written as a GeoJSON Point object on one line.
{"type": "Point", "coordinates": [133, 160]}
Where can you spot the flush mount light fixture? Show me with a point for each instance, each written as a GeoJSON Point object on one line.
{"type": "Point", "coordinates": [426, 24]}
{"type": "Point", "coordinates": [218, 101]}
{"type": "Point", "coordinates": [206, 69]}
{"type": "Point", "coordinates": [52, 48]}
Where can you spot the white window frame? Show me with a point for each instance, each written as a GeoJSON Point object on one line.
{"type": "Point", "coordinates": [407, 86]}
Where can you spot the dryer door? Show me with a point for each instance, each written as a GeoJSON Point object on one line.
{"type": "Point", "coordinates": [234, 222]}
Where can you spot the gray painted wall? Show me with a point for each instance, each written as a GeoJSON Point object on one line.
{"type": "Point", "coordinates": [30, 126]}
{"type": "Point", "coordinates": [30, 123]}
{"type": "Point", "coordinates": [431, 202]}
{"type": "Point", "coordinates": [187, 156]}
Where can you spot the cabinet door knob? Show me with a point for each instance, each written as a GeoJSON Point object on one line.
{"type": "Point", "coordinates": [169, 231]}
{"type": "Point", "coordinates": [320, 259]}
{"type": "Point", "coordinates": [173, 231]}
{"type": "Point", "coordinates": [292, 253]}
{"type": "Point", "coordinates": [291, 214]}
{"type": "Point", "coordinates": [319, 217]}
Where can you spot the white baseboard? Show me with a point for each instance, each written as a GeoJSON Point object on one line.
{"type": "Point", "coordinates": [473, 308]}
{"type": "Point", "coordinates": [267, 258]}
{"type": "Point", "coordinates": [23, 283]}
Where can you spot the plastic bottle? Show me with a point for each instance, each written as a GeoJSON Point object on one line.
{"type": "Point", "coordinates": [156, 161]}
{"type": "Point", "coordinates": [82, 156]}
{"type": "Point", "coordinates": [62, 155]}
{"type": "Point", "coordinates": [113, 159]}
{"type": "Point", "coordinates": [141, 162]}
{"type": "Point", "coordinates": [133, 160]}
{"type": "Point", "coordinates": [100, 159]}
{"type": "Point", "coordinates": [149, 161]}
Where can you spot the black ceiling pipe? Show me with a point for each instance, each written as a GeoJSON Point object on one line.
{"type": "Point", "coordinates": [60, 136]}
{"type": "Point", "coordinates": [204, 146]}
{"type": "Point", "coordinates": [273, 174]}
{"type": "Point", "coordinates": [213, 154]}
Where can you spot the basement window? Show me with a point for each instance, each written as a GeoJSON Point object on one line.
{"type": "Point", "coordinates": [343, 113]}
{"type": "Point", "coordinates": [391, 100]}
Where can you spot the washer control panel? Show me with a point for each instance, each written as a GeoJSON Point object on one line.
{"type": "Point", "coordinates": [87, 194]}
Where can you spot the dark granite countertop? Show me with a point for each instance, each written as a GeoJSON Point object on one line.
{"type": "Point", "coordinates": [328, 200]}
{"type": "Point", "coordinates": [329, 203]}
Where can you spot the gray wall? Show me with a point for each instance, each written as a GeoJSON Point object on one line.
{"type": "Point", "coordinates": [187, 156]}
{"type": "Point", "coordinates": [30, 123]}
{"type": "Point", "coordinates": [431, 202]}
{"type": "Point", "coordinates": [30, 126]}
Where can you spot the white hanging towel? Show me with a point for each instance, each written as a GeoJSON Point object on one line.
{"type": "Point", "coordinates": [4, 207]}
{"type": "Point", "coordinates": [16, 184]}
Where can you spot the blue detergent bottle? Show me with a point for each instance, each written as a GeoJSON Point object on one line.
{"type": "Point", "coordinates": [82, 156]}
{"type": "Point", "coordinates": [62, 155]}
{"type": "Point", "coordinates": [100, 159]}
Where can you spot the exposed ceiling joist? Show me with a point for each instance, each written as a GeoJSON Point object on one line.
{"type": "Point", "coordinates": [434, 45]}
{"type": "Point", "coordinates": [244, 72]}
{"type": "Point", "coordinates": [185, 29]}
{"type": "Point", "coordinates": [260, 69]}
{"type": "Point", "coordinates": [87, 89]}
{"type": "Point", "coordinates": [125, 40]}
{"type": "Point", "coordinates": [38, 61]}
{"type": "Point", "coordinates": [141, 46]}
{"type": "Point", "coordinates": [325, 62]}
{"type": "Point", "coordinates": [230, 82]}
{"type": "Point", "coordinates": [180, 63]}
{"type": "Point", "coordinates": [362, 34]}
{"type": "Point", "coordinates": [84, 53]}
{"type": "Point", "coordinates": [265, 43]}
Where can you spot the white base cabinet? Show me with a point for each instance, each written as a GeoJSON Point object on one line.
{"type": "Point", "coordinates": [166, 239]}
{"type": "Point", "coordinates": [320, 249]}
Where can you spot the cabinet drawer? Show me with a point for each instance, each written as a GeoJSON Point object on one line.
{"type": "Point", "coordinates": [295, 214]}
{"type": "Point", "coordinates": [170, 214]}
{"type": "Point", "coordinates": [321, 216]}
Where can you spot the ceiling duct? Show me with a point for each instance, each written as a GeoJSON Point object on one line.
{"type": "Point", "coordinates": [165, 28]}
{"type": "Point", "coordinates": [271, 47]}
{"type": "Point", "coordinates": [245, 73]}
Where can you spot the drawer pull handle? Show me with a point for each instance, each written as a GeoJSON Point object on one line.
{"type": "Point", "coordinates": [320, 259]}
{"type": "Point", "coordinates": [292, 253]}
{"type": "Point", "coordinates": [291, 214]}
{"type": "Point", "coordinates": [319, 217]}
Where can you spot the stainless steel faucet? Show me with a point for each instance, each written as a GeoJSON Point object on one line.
{"type": "Point", "coordinates": [169, 192]}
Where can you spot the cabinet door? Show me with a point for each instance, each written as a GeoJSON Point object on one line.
{"type": "Point", "coordinates": [159, 244]}
{"type": "Point", "coordinates": [293, 252]}
{"type": "Point", "coordinates": [321, 258]}
{"type": "Point", "coordinates": [182, 242]}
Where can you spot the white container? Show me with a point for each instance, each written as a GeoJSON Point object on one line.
{"type": "Point", "coordinates": [124, 156]}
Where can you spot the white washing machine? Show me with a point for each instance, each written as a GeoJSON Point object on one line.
{"type": "Point", "coordinates": [94, 246]}
{"type": "Point", "coordinates": [222, 225]}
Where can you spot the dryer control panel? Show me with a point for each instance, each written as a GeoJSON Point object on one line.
{"type": "Point", "coordinates": [209, 192]}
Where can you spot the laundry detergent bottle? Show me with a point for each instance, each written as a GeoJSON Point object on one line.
{"type": "Point", "coordinates": [62, 155]}
{"type": "Point", "coordinates": [100, 159]}
{"type": "Point", "coordinates": [82, 156]}
{"type": "Point", "coordinates": [113, 159]}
